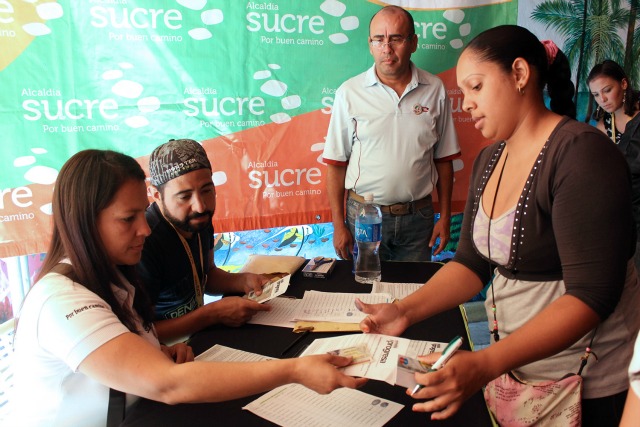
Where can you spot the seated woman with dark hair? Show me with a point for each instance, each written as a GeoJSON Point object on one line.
{"type": "Point", "coordinates": [85, 326]}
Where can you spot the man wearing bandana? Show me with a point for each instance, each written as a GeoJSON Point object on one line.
{"type": "Point", "coordinates": [391, 134]}
{"type": "Point", "coordinates": [177, 263]}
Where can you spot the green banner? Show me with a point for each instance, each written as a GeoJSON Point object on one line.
{"type": "Point", "coordinates": [252, 80]}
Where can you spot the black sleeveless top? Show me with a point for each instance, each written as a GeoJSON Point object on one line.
{"type": "Point", "coordinates": [629, 144]}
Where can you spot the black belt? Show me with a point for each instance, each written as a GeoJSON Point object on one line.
{"type": "Point", "coordinates": [397, 208]}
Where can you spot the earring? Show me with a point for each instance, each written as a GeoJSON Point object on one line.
{"type": "Point", "coordinates": [624, 97]}
{"type": "Point", "coordinates": [520, 90]}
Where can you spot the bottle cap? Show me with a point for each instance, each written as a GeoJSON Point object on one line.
{"type": "Point", "coordinates": [368, 197]}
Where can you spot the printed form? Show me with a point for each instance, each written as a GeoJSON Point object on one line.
{"type": "Point", "coordinates": [319, 306]}
{"type": "Point", "coordinates": [335, 306]}
{"type": "Point", "coordinates": [295, 405]}
{"type": "Point", "coordinates": [282, 312]}
{"type": "Point", "coordinates": [396, 290]}
{"type": "Point", "coordinates": [221, 353]}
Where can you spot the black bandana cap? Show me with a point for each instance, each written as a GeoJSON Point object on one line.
{"type": "Point", "coordinates": [176, 158]}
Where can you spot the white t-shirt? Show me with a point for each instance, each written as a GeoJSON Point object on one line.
{"type": "Point", "coordinates": [391, 142]}
{"type": "Point", "coordinates": [60, 324]}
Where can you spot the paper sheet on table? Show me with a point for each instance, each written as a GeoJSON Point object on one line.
{"type": "Point", "coordinates": [295, 405]}
{"type": "Point", "coordinates": [384, 350]}
{"type": "Point", "coordinates": [281, 313]}
{"type": "Point", "coordinates": [396, 290]}
{"type": "Point", "coordinates": [335, 306]}
{"type": "Point", "coordinates": [221, 353]}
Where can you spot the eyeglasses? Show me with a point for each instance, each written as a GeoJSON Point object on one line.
{"type": "Point", "coordinates": [393, 43]}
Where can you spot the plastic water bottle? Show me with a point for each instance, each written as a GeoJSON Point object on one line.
{"type": "Point", "coordinates": [355, 256]}
{"type": "Point", "coordinates": [368, 230]}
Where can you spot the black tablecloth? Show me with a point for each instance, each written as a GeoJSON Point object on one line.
{"type": "Point", "coordinates": [271, 341]}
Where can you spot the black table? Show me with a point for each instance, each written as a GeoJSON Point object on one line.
{"type": "Point", "coordinates": [271, 341]}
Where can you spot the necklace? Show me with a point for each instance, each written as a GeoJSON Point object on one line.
{"type": "Point", "coordinates": [494, 331]}
{"type": "Point", "coordinates": [613, 128]}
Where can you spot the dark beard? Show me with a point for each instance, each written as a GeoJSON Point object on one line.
{"type": "Point", "coordinates": [186, 226]}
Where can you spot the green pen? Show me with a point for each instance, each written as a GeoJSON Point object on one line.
{"type": "Point", "coordinates": [448, 351]}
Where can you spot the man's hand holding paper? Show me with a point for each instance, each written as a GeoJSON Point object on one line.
{"type": "Point", "coordinates": [273, 288]}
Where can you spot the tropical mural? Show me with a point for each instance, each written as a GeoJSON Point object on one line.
{"type": "Point", "coordinates": [233, 249]}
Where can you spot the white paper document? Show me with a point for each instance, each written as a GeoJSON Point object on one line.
{"type": "Point", "coordinates": [294, 405]}
{"type": "Point", "coordinates": [384, 351]}
{"type": "Point", "coordinates": [396, 290]}
{"type": "Point", "coordinates": [282, 312]}
{"type": "Point", "coordinates": [221, 353]}
{"type": "Point", "coordinates": [335, 306]}
{"type": "Point", "coordinates": [274, 288]}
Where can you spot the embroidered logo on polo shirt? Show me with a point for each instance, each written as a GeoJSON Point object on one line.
{"type": "Point", "coordinates": [419, 109]}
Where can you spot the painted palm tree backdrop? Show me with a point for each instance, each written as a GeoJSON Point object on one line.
{"type": "Point", "coordinates": [591, 32]}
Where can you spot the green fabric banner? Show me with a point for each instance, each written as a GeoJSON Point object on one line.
{"type": "Point", "coordinates": [252, 80]}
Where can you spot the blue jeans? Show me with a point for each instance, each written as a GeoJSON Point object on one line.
{"type": "Point", "coordinates": [404, 237]}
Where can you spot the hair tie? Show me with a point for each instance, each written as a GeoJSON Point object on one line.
{"type": "Point", "coordinates": [552, 50]}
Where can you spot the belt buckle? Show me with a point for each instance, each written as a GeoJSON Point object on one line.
{"type": "Point", "coordinates": [400, 209]}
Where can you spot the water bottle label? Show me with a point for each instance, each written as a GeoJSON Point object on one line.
{"type": "Point", "coordinates": [368, 232]}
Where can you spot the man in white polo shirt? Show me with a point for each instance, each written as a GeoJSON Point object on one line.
{"type": "Point", "coordinates": [391, 134]}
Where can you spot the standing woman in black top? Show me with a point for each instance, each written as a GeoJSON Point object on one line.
{"type": "Point", "coordinates": [617, 116]}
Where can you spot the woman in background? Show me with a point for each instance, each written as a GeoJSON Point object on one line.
{"type": "Point", "coordinates": [85, 326]}
{"type": "Point", "coordinates": [548, 221]}
{"type": "Point", "coordinates": [617, 116]}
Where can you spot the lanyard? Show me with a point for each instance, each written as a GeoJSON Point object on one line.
{"type": "Point", "coordinates": [196, 277]}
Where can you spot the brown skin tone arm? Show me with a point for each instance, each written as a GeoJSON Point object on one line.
{"type": "Point", "coordinates": [444, 186]}
{"type": "Point", "coordinates": [554, 329]}
{"type": "Point", "coordinates": [230, 311]}
{"type": "Point", "coordinates": [342, 239]}
{"type": "Point", "coordinates": [131, 364]}
{"type": "Point", "coordinates": [631, 410]}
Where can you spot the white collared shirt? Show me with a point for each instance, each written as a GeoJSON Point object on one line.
{"type": "Point", "coordinates": [390, 142]}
